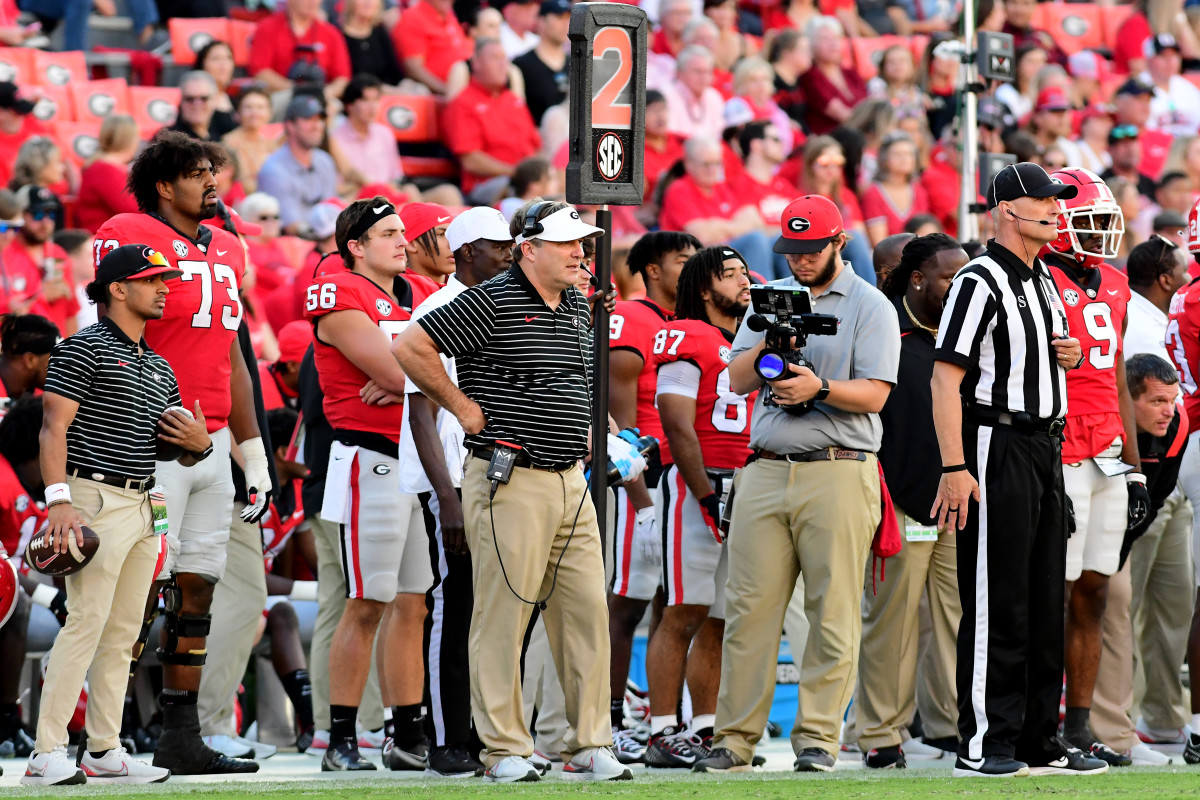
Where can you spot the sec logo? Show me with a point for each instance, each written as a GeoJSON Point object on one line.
{"type": "Point", "coordinates": [724, 353]}
{"type": "Point", "coordinates": [383, 307]}
{"type": "Point", "coordinates": [180, 248]}
{"type": "Point", "coordinates": [610, 156]}
{"type": "Point", "coordinates": [1071, 296]}
{"type": "Point", "coordinates": [798, 224]}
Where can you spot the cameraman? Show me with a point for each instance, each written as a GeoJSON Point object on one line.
{"type": "Point", "coordinates": [809, 499]}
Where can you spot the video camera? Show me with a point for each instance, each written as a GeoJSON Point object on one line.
{"type": "Point", "coordinates": [791, 317]}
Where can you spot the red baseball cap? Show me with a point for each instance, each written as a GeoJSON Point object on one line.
{"type": "Point", "coordinates": [394, 197]}
{"type": "Point", "coordinates": [420, 218]}
{"type": "Point", "coordinates": [294, 340]}
{"type": "Point", "coordinates": [1053, 98]}
{"type": "Point", "coordinates": [807, 225]}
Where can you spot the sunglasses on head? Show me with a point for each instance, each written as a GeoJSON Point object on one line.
{"type": "Point", "coordinates": [1166, 244]}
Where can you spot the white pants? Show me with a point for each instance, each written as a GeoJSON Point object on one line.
{"type": "Point", "coordinates": [1101, 512]}
{"type": "Point", "coordinates": [199, 511]}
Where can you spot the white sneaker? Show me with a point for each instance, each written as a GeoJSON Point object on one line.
{"type": "Point", "coordinates": [320, 744]}
{"type": "Point", "coordinates": [917, 749]}
{"type": "Point", "coordinates": [371, 740]}
{"type": "Point", "coordinates": [1152, 736]}
{"type": "Point", "coordinates": [542, 761]}
{"type": "Point", "coordinates": [117, 766]}
{"type": "Point", "coordinates": [596, 764]}
{"type": "Point", "coordinates": [52, 769]}
{"type": "Point", "coordinates": [1144, 755]}
{"type": "Point", "coordinates": [512, 769]}
{"type": "Point", "coordinates": [261, 749]}
{"type": "Point", "coordinates": [229, 745]}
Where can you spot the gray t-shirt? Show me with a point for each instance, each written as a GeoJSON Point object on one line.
{"type": "Point", "coordinates": [297, 188]}
{"type": "Point", "coordinates": [867, 345]}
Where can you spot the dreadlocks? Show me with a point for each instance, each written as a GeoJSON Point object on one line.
{"type": "Point", "coordinates": [698, 275]}
{"type": "Point", "coordinates": [916, 254]}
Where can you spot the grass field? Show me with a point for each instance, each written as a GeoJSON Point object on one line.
{"type": "Point", "coordinates": [848, 785]}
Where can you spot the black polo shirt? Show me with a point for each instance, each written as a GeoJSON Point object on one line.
{"type": "Point", "coordinates": [909, 454]}
{"type": "Point", "coordinates": [122, 389]}
{"type": "Point", "coordinates": [526, 365]}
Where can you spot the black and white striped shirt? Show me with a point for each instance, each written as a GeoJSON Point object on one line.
{"type": "Point", "coordinates": [528, 367]}
{"type": "Point", "coordinates": [121, 394]}
{"type": "Point", "coordinates": [998, 324]}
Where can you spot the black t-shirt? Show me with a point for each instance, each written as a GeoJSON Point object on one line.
{"type": "Point", "coordinates": [1145, 186]}
{"type": "Point", "coordinates": [875, 14]}
{"type": "Point", "coordinates": [544, 87]}
{"type": "Point", "coordinates": [375, 55]}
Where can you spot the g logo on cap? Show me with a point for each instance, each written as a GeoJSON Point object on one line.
{"type": "Point", "coordinates": [798, 224]}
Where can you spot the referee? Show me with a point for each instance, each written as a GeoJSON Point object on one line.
{"type": "Point", "coordinates": [999, 398]}
{"type": "Point", "coordinates": [522, 346]}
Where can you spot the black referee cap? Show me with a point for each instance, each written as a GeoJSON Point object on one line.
{"type": "Point", "coordinates": [1026, 180]}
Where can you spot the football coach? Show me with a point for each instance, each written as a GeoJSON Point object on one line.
{"type": "Point", "coordinates": [522, 345]}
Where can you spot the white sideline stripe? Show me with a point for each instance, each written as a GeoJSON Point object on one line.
{"type": "Point", "coordinates": [980, 665]}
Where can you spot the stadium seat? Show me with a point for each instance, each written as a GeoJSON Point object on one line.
{"type": "Point", "coordinates": [16, 64]}
{"type": "Point", "coordinates": [429, 167]}
{"type": "Point", "coordinates": [240, 34]}
{"type": "Point", "coordinates": [918, 43]}
{"type": "Point", "coordinates": [868, 52]}
{"type": "Point", "coordinates": [153, 107]}
{"type": "Point", "coordinates": [1114, 17]}
{"type": "Point", "coordinates": [79, 140]}
{"type": "Point", "coordinates": [51, 103]}
{"type": "Point", "coordinates": [59, 69]}
{"type": "Point", "coordinates": [1074, 26]}
{"type": "Point", "coordinates": [93, 101]}
{"type": "Point", "coordinates": [411, 118]}
{"type": "Point", "coordinates": [189, 36]}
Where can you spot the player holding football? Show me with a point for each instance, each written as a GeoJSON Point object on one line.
{"type": "Point", "coordinates": [174, 182]}
{"type": "Point", "coordinates": [708, 427]}
{"type": "Point", "coordinates": [637, 550]}
{"type": "Point", "coordinates": [355, 314]}
{"type": "Point", "coordinates": [1099, 434]}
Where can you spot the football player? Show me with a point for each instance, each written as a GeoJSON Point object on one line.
{"type": "Point", "coordinates": [355, 314]}
{"type": "Point", "coordinates": [174, 183]}
{"type": "Point", "coordinates": [25, 344]}
{"type": "Point", "coordinates": [1099, 434]}
{"type": "Point", "coordinates": [637, 552]}
{"type": "Point", "coordinates": [708, 428]}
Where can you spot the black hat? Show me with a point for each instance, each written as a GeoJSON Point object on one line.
{"type": "Point", "coordinates": [133, 261]}
{"type": "Point", "coordinates": [303, 106]}
{"type": "Point", "coordinates": [1134, 86]}
{"type": "Point", "coordinates": [992, 113]}
{"type": "Point", "coordinates": [552, 7]}
{"type": "Point", "coordinates": [38, 198]}
{"type": "Point", "coordinates": [1026, 180]}
{"type": "Point", "coordinates": [1155, 45]}
{"type": "Point", "coordinates": [10, 99]}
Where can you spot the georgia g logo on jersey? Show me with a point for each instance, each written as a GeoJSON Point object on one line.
{"type": "Point", "coordinates": [383, 307]}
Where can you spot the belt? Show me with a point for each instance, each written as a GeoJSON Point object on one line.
{"type": "Point", "coordinates": [119, 481]}
{"type": "Point", "coordinates": [1021, 421]}
{"type": "Point", "coordinates": [523, 460]}
{"type": "Point", "coordinates": [828, 454]}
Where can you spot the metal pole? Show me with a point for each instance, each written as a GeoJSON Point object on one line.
{"type": "Point", "coordinates": [968, 223]}
{"type": "Point", "coordinates": [603, 270]}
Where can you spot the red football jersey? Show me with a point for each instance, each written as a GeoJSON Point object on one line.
{"type": "Point", "coordinates": [632, 326]}
{"type": "Point", "coordinates": [340, 379]}
{"type": "Point", "coordinates": [1095, 309]}
{"type": "Point", "coordinates": [1183, 345]}
{"type": "Point", "coordinates": [203, 310]}
{"type": "Point", "coordinates": [278, 527]}
{"type": "Point", "coordinates": [722, 416]}
{"type": "Point", "coordinates": [20, 517]}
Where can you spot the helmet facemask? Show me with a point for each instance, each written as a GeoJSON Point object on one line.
{"type": "Point", "coordinates": [1100, 225]}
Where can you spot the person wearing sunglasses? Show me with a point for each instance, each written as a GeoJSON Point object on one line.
{"type": "Point", "coordinates": [1131, 106]}
{"type": "Point", "coordinates": [197, 104]}
{"type": "Point", "coordinates": [1125, 149]}
{"type": "Point", "coordinates": [32, 256]}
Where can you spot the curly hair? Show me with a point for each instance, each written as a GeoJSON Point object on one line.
{"type": "Point", "coordinates": [915, 256]}
{"type": "Point", "coordinates": [169, 156]}
{"type": "Point", "coordinates": [699, 273]}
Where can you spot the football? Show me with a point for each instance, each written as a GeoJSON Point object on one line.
{"type": "Point", "coordinates": [40, 555]}
{"type": "Point", "coordinates": [166, 451]}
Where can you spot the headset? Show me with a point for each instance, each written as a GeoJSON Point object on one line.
{"type": "Point", "coordinates": [533, 225]}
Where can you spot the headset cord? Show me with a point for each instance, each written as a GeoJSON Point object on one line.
{"type": "Point", "coordinates": [539, 604]}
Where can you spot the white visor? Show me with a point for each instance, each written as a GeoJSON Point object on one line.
{"type": "Point", "coordinates": [477, 223]}
{"type": "Point", "coordinates": [563, 225]}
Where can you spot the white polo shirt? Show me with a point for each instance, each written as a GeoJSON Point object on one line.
{"type": "Point", "coordinates": [1146, 329]}
{"type": "Point", "coordinates": [413, 479]}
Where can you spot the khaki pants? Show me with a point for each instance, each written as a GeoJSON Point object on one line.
{"type": "Point", "coordinates": [331, 601]}
{"type": "Point", "coordinates": [817, 518]}
{"type": "Point", "coordinates": [237, 610]}
{"type": "Point", "coordinates": [533, 516]}
{"type": "Point", "coordinates": [541, 690]}
{"type": "Point", "coordinates": [1113, 695]}
{"type": "Point", "coordinates": [888, 664]}
{"type": "Point", "coordinates": [105, 604]}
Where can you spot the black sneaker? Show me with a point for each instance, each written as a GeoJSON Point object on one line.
{"type": "Point", "coordinates": [758, 761]}
{"type": "Point", "coordinates": [344, 757]}
{"type": "Point", "coordinates": [885, 758]}
{"type": "Point", "coordinates": [19, 745]}
{"type": "Point", "coordinates": [407, 759]}
{"type": "Point", "coordinates": [1087, 743]}
{"type": "Point", "coordinates": [947, 744]}
{"type": "Point", "coordinates": [304, 740]}
{"type": "Point", "coordinates": [452, 761]}
{"type": "Point", "coordinates": [674, 748]}
{"type": "Point", "coordinates": [182, 751]}
{"type": "Point", "coordinates": [990, 767]}
{"type": "Point", "coordinates": [721, 760]}
{"type": "Point", "coordinates": [1191, 750]}
{"type": "Point", "coordinates": [814, 759]}
{"type": "Point", "coordinates": [1073, 761]}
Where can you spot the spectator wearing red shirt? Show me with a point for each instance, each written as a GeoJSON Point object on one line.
{"type": "Point", "coordinates": [703, 204]}
{"type": "Point", "coordinates": [430, 40]}
{"type": "Point", "coordinates": [673, 17]}
{"type": "Point", "coordinates": [1129, 57]}
{"type": "Point", "coordinates": [1018, 21]}
{"type": "Point", "coordinates": [943, 183]}
{"type": "Point", "coordinates": [832, 91]}
{"type": "Point", "coordinates": [822, 170]}
{"type": "Point", "coordinates": [17, 124]}
{"type": "Point", "coordinates": [299, 24]}
{"type": "Point", "coordinates": [759, 182]}
{"type": "Point", "coordinates": [280, 379]}
{"type": "Point", "coordinates": [894, 197]}
{"type": "Point", "coordinates": [44, 266]}
{"type": "Point", "coordinates": [102, 192]}
{"type": "Point", "coordinates": [488, 128]}
{"type": "Point", "coordinates": [663, 148]}
{"type": "Point", "coordinates": [1131, 106]}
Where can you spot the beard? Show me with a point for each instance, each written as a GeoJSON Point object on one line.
{"type": "Point", "coordinates": [729, 306]}
{"type": "Point", "coordinates": [826, 273]}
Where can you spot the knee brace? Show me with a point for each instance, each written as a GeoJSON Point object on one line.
{"type": "Point", "coordinates": [184, 626]}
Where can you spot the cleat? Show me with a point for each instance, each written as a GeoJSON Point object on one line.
{"type": "Point", "coordinates": [885, 758]}
{"type": "Point", "coordinates": [452, 761]}
{"type": "Point", "coordinates": [814, 759]}
{"type": "Point", "coordinates": [721, 760]}
{"type": "Point", "coordinates": [627, 747]}
{"type": "Point", "coordinates": [402, 759]}
{"type": "Point", "coordinates": [345, 757]}
{"type": "Point", "coordinates": [1191, 750]}
{"type": "Point", "coordinates": [674, 749]}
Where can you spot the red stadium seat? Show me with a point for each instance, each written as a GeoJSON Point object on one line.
{"type": "Point", "coordinates": [1074, 26]}
{"type": "Point", "coordinates": [16, 64]}
{"type": "Point", "coordinates": [240, 34]}
{"type": "Point", "coordinates": [189, 36]}
{"type": "Point", "coordinates": [868, 52]}
{"type": "Point", "coordinates": [411, 118]}
{"type": "Point", "coordinates": [153, 107]}
{"type": "Point", "coordinates": [79, 140]}
{"type": "Point", "coordinates": [51, 103]}
{"type": "Point", "coordinates": [1114, 17]}
{"type": "Point", "coordinates": [429, 167]}
{"type": "Point", "coordinates": [918, 43]}
{"type": "Point", "coordinates": [94, 101]}
{"type": "Point", "coordinates": [59, 69]}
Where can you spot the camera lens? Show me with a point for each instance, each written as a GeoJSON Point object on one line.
{"type": "Point", "coordinates": [770, 365]}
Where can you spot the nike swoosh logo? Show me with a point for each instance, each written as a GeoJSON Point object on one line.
{"type": "Point", "coordinates": [1112, 291]}
{"type": "Point", "coordinates": [442, 219]}
{"type": "Point", "coordinates": [42, 563]}
{"type": "Point", "coordinates": [973, 764]}
{"type": "Point", "coordinates": [121, 363]}
{"type": "Point", "coordinates": [531, 319]}
{"type": "Point", "coordinates": [220, 252]}
{"type": "Point", "coordinates": [380, 209]}
{"type": "Point", "coordinates": [338, 458]}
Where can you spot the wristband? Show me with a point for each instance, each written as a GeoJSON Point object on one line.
{"type": "Point", "coordinates": [57, 493]}
{"type": "Point", "coordinates": [1135, 477]}
{"type": "Point", "coordinates": [303, 590]}
{"type": "Point", "coordinates": [43, 595]}
{"type": "Point", "coordinates": [955, 468]}
{"type": "Point", "coordinates": [823, 392]}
